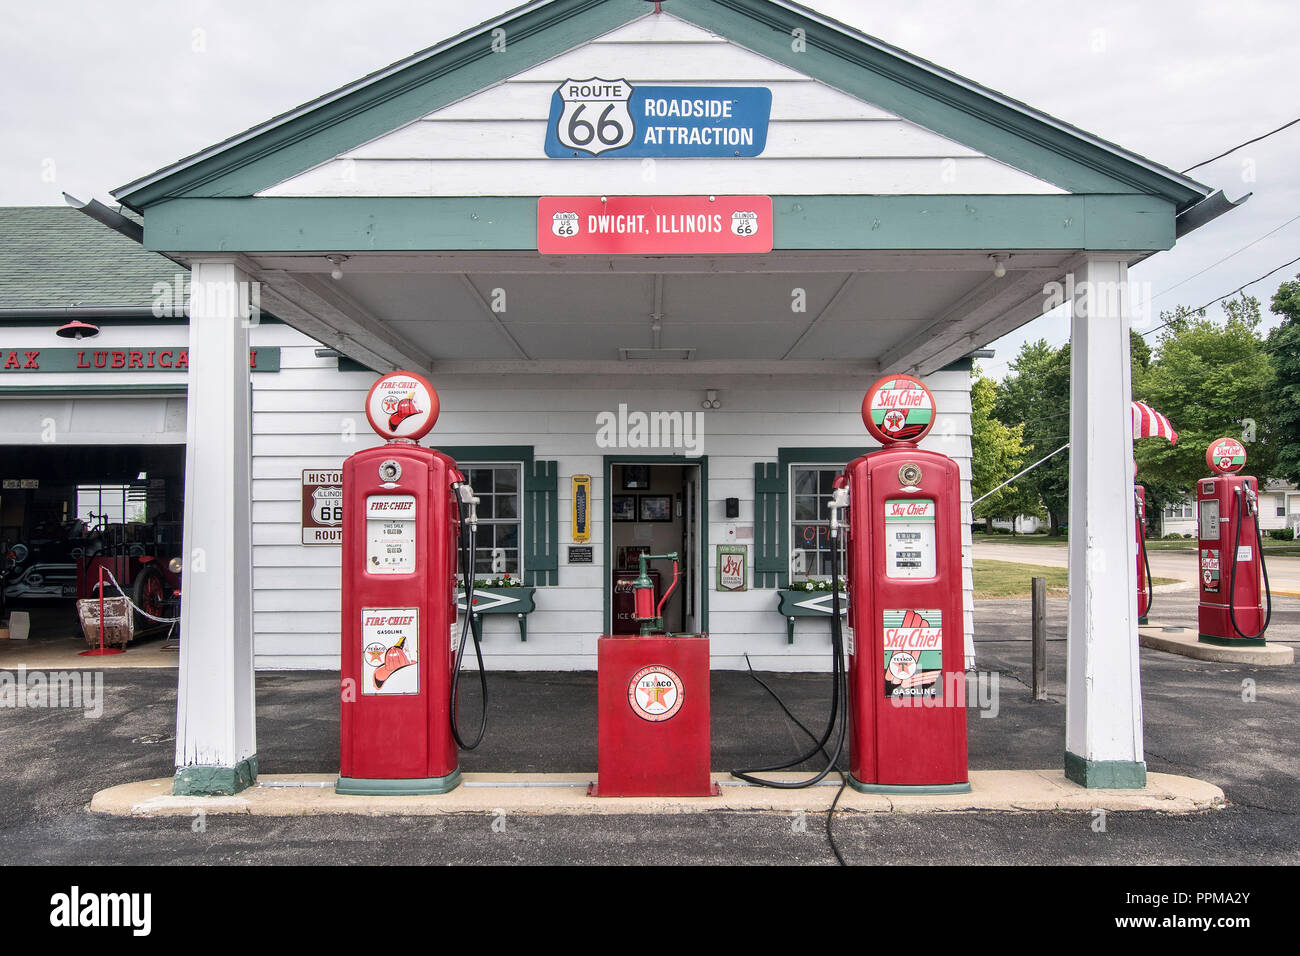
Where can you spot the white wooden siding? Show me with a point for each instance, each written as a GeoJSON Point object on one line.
{"type": "Point", "coordinates": [303, 416]}
{"type": "Point", "coordinates": [820, 140]}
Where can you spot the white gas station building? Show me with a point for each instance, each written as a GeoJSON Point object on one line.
{"type": "Point", "coordinates": [470, 213]}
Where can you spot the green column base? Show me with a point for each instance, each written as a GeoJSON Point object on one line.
{"type": "Point", "coordinates": [1231, 641]}
{"type": "Point", "coordinates": [403, 787]}
{"type": "Point", "coordinates": [1106, 774]}
{"type": "Point", "coordinates": [918, 788]}
{"type": "Point", "coordinates": [206, 781]}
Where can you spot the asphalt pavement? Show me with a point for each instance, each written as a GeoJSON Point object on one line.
{"type": "Point", "coordinates": [1199, 718]}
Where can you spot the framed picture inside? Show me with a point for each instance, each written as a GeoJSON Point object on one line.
{"type": "Point", "coordinates": [623, 507]}
{"type": "Point", "coordinates": [636, 477]}
{"type": "Point", "coordinates": [656, 508]}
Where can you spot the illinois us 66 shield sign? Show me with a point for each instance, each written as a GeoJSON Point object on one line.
{"type": "Point", "coordinates": [322, 507]}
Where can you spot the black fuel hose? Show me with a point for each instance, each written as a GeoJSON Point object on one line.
{"type": "Point", "coordinates": [1232, 581]}
{"type": "Point", "coordinates": [1146, 563]}
{"type": "Point", "coordinates": [465, 550]}
{"type": "Point", "coordinates": [839, 703]}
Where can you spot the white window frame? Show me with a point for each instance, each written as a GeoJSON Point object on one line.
{"type": "Point", "coordinates": [465, 468]}
{"type": "Point", "coordinates": [791, 520]}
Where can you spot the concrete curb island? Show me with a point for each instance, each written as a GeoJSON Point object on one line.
{"type": "Point", "coordinates": [291, 795]}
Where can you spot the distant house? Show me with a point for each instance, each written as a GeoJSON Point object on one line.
{"type": "Point", "coordinates": [1279, 507]}
{"type": "Point", "coordinates": [1022, 524]}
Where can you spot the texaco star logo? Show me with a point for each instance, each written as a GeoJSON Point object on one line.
{"type": "Point", "coordinates": [655, 693]}
{"type": "Point", "coordinates": [390, 404]}
{"type": "Point", "coordinates": [894, 421]}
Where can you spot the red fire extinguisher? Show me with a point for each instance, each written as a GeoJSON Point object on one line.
{"type": "Point", "coordinates": [1232, 611]}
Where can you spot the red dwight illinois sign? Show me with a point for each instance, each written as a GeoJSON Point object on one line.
{"type": "Point", "coordinates": [653, 225]}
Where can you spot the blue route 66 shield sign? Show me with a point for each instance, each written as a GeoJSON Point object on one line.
{"type": "Point", "coordinates": [595, 117]}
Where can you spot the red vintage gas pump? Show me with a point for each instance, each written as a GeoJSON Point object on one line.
{"type": "Point", "coordinates": [1227, 514]}
{"type": "Point", "coordinates": [906, 684]}
{"type": "Point", "coordinates": [405, 509]}
{"type": "Point", "coordinates": [1144, 589]}
{"type": "Point", "coordinates": [652, 704]}
{"type": "Point", "coordinates": [906, 679]}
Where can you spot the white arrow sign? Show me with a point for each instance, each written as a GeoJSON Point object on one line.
{"type": "Point", "coordinates": [822, 604]}
{"type": "Point", "coordinates": [486, 601]}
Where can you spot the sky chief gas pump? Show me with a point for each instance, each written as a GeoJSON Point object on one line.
{"type": "Point", "coordinates": [1231, 549]}
{"type": "Point", "coordinates": [407, 513]}
{"type": "Point", "coordinates": [905, 689]}
{"type": "Point", "coordinates": [906, 676]}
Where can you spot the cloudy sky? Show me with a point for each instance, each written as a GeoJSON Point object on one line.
{"type": "Point", "coordinates": [101, 93]}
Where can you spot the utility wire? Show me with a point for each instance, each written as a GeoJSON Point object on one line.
{"type": "Point", "coordinates": [1226, 295]}
{"type": "Point", "coordinates": [1247, 143]}
{"type": "Point", "coordinates": [1224, 259]}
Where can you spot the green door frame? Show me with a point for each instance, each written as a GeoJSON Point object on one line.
{"type": "Point", "coordinates": [608, 471]}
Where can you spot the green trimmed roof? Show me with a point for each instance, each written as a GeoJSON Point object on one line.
{"type": "Point", "coordinates": [56, 257]}
{"type": "Point", "coordinates": [836, 54]}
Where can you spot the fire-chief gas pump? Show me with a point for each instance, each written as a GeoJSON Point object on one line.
{"type": "Point", "coordinates": [652, 704]}
{"type": "Point", "coordinates": [1227, 513]}
{"type": "Point", "coordinates": [906, 690]}
{"type": "Point", "coordinates": [407, 512]}
{"type": "Point", "coordinates": [1144, 590]}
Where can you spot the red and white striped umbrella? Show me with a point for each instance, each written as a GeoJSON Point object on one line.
{"type": "Point", "coordinates": [1149, 423]}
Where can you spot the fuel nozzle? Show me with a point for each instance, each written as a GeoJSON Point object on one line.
{"type": "Point", "coordinates": [468, 501]}
{"type": "Point", "coordinates": [839, 501]}
{"type": "Point", "coordinates": [1252, 501]}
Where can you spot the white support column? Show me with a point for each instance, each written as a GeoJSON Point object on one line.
{"type": "Point", "coordinates": [1103, 739]}
{"type": "Point", "coordinates": [216, 747]}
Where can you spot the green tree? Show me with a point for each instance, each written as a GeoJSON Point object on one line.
{"type": "Point", "coordinates": [1036, 396]}
{"type": "Point", "coordinates": [1210, 380]}
{"type": "Point", "coordinates": [1284, 350]}
{"type": "Point", "coordinates": [998, 452]}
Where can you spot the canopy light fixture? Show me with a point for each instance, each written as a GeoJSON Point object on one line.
{"type": "Point", "coordinates": [636, 354]}
{"type": "Point", "coordinates": [337, 261]}
{"type": "Point", "coordinates": [76, 329]}
{"type": "Point", "coordinates": [999, 265]}
{"type": "Point", "coordinates": [710, 399]}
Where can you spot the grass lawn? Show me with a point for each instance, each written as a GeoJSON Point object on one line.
{"type": "Point", "coordinates": [1271, 545]}
{"type": "Point", "coordinates": [1004, 579]}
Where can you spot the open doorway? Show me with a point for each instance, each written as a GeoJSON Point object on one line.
{"type": "Point", "coordinates": [657, 506]}
{"type": "Point", "coordinates": [68, 510]}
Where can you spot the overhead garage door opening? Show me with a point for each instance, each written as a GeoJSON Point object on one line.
{"type": "Point", "coordinates": [65, 511]}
